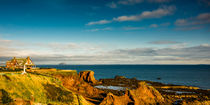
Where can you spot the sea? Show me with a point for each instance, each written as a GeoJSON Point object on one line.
{"type": "Point", "coordinates": [189, 75]}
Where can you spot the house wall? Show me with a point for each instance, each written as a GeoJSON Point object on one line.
{"type": "Point", "coordinates": [13, 64]}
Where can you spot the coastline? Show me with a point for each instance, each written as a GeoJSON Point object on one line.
{"type": "Point", "coordinates": [188, 75]}
{"type": "Point", "coordinates": [93, 91]}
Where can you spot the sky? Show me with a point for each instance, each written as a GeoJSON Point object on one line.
{"type": "Point", "coordinates": [106, 31]}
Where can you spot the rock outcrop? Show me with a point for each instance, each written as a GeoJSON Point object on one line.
{"type": "Point", "coordinates": [77, 84]}
{"type": "Point", "coordinates": [88, 76]}
{"type": "Point", "coordinates": [111, 99]}
{"type": "Point", "coordinates": [143, 95]}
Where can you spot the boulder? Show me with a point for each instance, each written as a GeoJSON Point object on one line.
{"type": "Point", "coordinates": [88, 76]}
{"type": "Point", "coordinates": [145, 94]}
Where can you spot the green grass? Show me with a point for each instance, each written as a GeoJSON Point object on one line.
{"type": "Point", "coordinates": [39, 88]}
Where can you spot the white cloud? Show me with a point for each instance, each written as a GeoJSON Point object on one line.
{"type": "Point", "coordinates": [184, 55]}
{"type": "Point", "coordinates": [205, 45]}
{"type": "Point", "coordinates": [100, 29]}
{"type": "Point", "coordinates": [99, 22]}
{"type": "Point", "coordinates": [85, 53]}
{"type": "Point", "coordinates": [158, 13]}
{"type": "Point", "coordinates": [5, 41]}
{"type": "Point", "coordinates": [163, 42]}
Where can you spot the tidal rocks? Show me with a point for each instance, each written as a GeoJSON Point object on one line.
{"type": "Point", "coordinates": [143, 95]}
{"type": "Point", "coordinates": [111, 99]}
{"type": "Point", "coordinates": [88, 76]}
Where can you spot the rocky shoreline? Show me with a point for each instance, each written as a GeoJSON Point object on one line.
{"type": "Point", "coordinates": [173, 94]}
{"type": "Point", "coordinates": [97, 92]}
{"type": "Point", "coordinates": [123, 91]}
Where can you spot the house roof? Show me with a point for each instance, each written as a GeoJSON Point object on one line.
{"type": "Point", "coordinates": [22, 61]}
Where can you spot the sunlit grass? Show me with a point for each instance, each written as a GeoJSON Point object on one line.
{"type": "Point", "coordinates": [39, 88]}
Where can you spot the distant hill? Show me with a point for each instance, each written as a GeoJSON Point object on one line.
{"type": "Point", "coordinates": [62, 64]}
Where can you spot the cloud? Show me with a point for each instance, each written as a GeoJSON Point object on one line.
{"type": "Point", "coordinates": [5, 41]}
{"type": "Point", "coordinates": [85, 53]}
{"type": "Point", "coordinates": [158, 13]}
{"type": "Point", "coordinates": [185, 55]}
{"type": "Point", "coordinates": [133, 2]}
{"type": "Point", "coordinates": [133, 28]}
{"type": "Point", "coordinates": [99, 22]}
{"type": "Point", "coordinates": [201, 52]}
{"type": "Point", "coordinates": [150, 26]}
{"type": "Point", "coordinates": [100, 29]}
{"type": "Point", "coordinates": [112, 5]}
{"type": "Point", "coordinates": [188, 28]}
{"type": "Point", "coordinates": [63, 46]}
{"type": "Point", "coordinates": [163, 42]}
{"type": "Point", "coordinates": [165, 24]}
{"type": "Point", "coordinates": [159, 1]}
{"type": "Point", "coordinates": [193, 23]}
{"type": "Point", "coordinates": [153, 25]}
{"type": "Point", "coordinates": [129, 2]}
{"type": "Point", "coordinates": [123, 2]}
{"type": "Point", "coordinates": [201, 19]}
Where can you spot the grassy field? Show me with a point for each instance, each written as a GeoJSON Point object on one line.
{"type": "Point", "coordinates": [37, 88]}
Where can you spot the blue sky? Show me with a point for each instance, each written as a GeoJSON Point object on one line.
{"type": "Point", "coordinates": [106, 31]}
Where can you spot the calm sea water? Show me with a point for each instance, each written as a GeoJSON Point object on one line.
{"type": "Point", "coordinates": [191, 75]}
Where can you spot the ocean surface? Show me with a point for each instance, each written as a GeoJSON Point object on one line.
{"type": "Point", "coordinates": [190, 75]}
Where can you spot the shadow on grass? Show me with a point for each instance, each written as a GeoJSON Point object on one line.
{"type": "Point", "coordinates": [4, 96]}
{"type": "Point", "coordinates": [58, 94]}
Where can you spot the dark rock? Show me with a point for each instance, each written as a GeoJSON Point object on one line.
{"type": "Point", "coordinates": [119, 77]}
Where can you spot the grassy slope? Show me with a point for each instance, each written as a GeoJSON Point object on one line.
{"type": "Point", "coordinates": [38, 88]}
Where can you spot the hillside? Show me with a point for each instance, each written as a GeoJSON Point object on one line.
{"type": "Point", "coordinates": [16, 88]}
